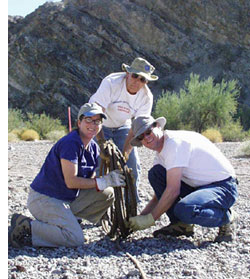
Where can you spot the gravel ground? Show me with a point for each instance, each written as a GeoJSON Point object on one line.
{"type": "Point", "coordinates": [182, 257]}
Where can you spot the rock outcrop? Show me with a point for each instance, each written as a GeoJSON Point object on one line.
{"type": "Point", "coordinates": [59, 53]}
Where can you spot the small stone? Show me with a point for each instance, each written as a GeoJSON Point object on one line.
{"type": "Point", "coordinates": [20, 268]}
{"type": "Point", "coordinates": [133, 273]}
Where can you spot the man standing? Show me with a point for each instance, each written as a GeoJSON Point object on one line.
{"type": "Point", "coordinates": [193, 181]}
{"type": "Point", "coordinates": [123, 96]}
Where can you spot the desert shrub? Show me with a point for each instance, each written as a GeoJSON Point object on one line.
{"type": "Point", "coordinates": [30, 135]}
{"type": "Point", "coordinates": [168, 105]}
{"type": "Point", "coordinates": [243, 114]}
{"type": "Point", "coordinates": [233, 131]}
{"type": "Point", "coordinates": [12, 137]}
{"type": "Point", "coordinates": [16, 119]}
{"type": "Point", "coordinates": [55, 135]}
{"type": "Point", "coordinates": [245, 149]}
{"type": "Point", "coordinates": [247, 133]}
{"type": "Point", "coordinates": [43, 124]}
{"type": "Point", "coordinates": [18, 132]}
{"type": "Point", "coordinates": [213, 135]}
{"type": "Point", "coordinates": [199, 105]}
{"type": "Point", "coordinates": [207, 103]}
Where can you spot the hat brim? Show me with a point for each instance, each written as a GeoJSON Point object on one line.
{"type": "Point", "coordinates": [92, 113]}
{"type": "Point", "coordinates": [135, 142]}
{"type": "Point", "coordinates": [129, 69]}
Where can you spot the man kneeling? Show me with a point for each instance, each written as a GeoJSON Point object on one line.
{"type": "Point", "coordinates": [194, 183]}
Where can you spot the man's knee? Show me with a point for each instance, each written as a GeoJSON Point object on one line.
{"type": "Point", "coordinates": [152, 174]}
{"type": "Point", "coordinates": [155, 172]}
{"type": "Point", "coordinates": [184, 212]}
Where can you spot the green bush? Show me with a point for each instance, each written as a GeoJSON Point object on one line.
{"type": "Point", "coordinates": [169, 106]}
{"type": "Point", "coordinates": [245, 149]}
{"type": "Point", "coordinates": [199, 105]}
{"type": "Point", "coordinates": [247, 133]}
{"type": "Point", "coordinates": [233, 131]}
{"type": "Point", "coordinates": [43, 124]}
{"type": "Point", "coordinates": [16, 119]}
{"type": "Point", "coordinates": [243, 114]}
{"type": "Point", "coordinates": [55, 135]}
{"type": "Point", "coordinates": [30, 135]}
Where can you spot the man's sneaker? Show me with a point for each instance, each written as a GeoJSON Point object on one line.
{"type": "Point", "coordinates": [20, 231]}
{"type": "Point", "coordinates": [226, 232]}
{"type": "Point", "coordinates": [176, 229]}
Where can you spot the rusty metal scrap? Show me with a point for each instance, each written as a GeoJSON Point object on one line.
{"type": "Point", "coordinates": [125, 206]}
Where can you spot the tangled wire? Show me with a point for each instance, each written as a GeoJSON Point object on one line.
{"type": "Point", "coordinates": [125, 206]}
{"type": "Point", "coordinates": [114, 223]}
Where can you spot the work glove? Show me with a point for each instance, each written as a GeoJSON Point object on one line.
{"type": "Point", "coordinates": [141, 222]}
{"type": "Point", "coordinates": [113, 179]}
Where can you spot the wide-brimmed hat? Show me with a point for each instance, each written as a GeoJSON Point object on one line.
{"type": "Point", "coordinates": [141, 123]}
{"type": "Point", "coordinates": [141, 67]}
{"type": "Point", "coordinates": [91, 109]}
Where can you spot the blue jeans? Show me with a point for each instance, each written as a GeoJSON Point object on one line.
{"type": "Point", "coordinates": [206, 205]}
{"type": "Point", "coordinates": [119, 135]}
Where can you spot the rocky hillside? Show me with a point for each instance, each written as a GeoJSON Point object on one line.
{"type": "Point", "coordinates": [59, 53]}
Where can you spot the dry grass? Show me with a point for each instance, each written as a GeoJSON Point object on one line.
{"type": "Point", "coordinates": [213, 135]}
{"type": "Point", "coordinates": [30, 135]}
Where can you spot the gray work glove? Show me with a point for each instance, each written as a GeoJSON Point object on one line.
{"type": "Point", "coordinates": [113, 179]}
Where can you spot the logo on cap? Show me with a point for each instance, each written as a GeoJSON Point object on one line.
{"type": "Point", "coordinates": [147, 68]}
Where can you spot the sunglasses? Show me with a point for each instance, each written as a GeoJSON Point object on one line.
{"type": "Point", "coordinates": [147, 133]}
{"type": "Point", "coordinates": [90, 120]}
{"type": "Point", "coordinates": [142, 79]}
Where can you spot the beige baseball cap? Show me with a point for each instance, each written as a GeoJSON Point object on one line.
{"type": "Point", "coordinates": [91, 109]}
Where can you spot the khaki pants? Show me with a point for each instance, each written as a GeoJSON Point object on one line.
{"type": "Point", "coordinates": [56, 223]}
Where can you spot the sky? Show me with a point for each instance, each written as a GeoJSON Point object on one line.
{"type": "Point", "coordinates": [24, 7]}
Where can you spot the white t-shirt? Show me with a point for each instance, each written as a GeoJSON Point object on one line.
{"type": "Point", "coordinates": [201, 161]}
{"type": "Point", "coordinates": [120, 106]}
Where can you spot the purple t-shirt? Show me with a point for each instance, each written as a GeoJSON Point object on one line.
{"type": "Point", "coordinates": [50, 181]}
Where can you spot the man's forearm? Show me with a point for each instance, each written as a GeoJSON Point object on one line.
{"type": "Point", "coordinates": [150, 206]}
{"type": "Point", "coordinates": [127, 146]}
{"type": "Point", "coordinates": [164, 204]}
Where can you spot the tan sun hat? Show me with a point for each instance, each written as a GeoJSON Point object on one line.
{"type": "Point", "coordinates": [141, 67]}
{"type": "Point", "coordinates": [91, 109]}
{"type": "Point", "coordinates": [141, 123]}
